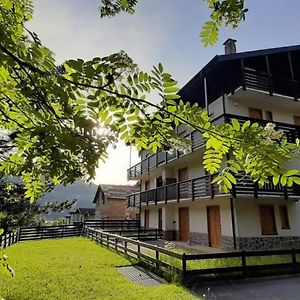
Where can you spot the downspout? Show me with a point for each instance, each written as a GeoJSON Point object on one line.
{"type": "Point", "coordinates": [205, 95]}
{"type": "Point", "coordinates": [233, 222]}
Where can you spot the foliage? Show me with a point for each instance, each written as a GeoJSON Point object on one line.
{"type": "Point", "coordinates": [224, 12]}
{"type": "Point", "coordinates": [83, 270]}
{"type": "Point", "coordinates": [60, 120]}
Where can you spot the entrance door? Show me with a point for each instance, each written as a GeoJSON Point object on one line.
{"type": "Point", "coordinates": [214, 226]}
{"type": "Point", "coordinates": [146, 219]}
{"type": "Point", "coordinates": [184, 227]}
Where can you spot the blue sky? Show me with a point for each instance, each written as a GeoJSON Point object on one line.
{"type": "Point", "coordinates": [164, 31]}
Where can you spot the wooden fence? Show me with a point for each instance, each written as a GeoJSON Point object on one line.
{"type": "Point", "coordinates": [210, 266]}
{"type": "Point", "coordinates": [112, 224]}
{"type": "Point", "coordinates": [8, 239]}
{"type": "Point", "coordinates": [49, 232]}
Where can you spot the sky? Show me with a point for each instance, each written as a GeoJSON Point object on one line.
{"type": "Point", "coordinates": [165, 31]}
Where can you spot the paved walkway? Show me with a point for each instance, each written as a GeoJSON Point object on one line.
{"type": "Point", "coordinates": [270, 288]}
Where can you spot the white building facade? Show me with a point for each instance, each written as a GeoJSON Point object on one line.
{"type": "Point", "coordinates": [178, 197]}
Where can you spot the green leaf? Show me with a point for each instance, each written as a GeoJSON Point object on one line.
{"type": "Point", "coordinates": [1, 231]}
{"type": "Point", "coordinates": [230, 177]}
{"type": "Point", "coordinates": [235, 124]}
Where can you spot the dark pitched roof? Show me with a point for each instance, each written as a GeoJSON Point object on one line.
{"type": "Point", "coordinates": [114, 191]}
{"type": "Point", "coordinates": [84, 211]}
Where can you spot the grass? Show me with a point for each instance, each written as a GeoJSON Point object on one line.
{"type": "Point", "coordinates": [221, 262]}
{"type": "Point", "coordinates": [74, 268]}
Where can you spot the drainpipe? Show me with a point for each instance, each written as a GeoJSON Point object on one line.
{"type": "Point", "coordinates": [233, 222]}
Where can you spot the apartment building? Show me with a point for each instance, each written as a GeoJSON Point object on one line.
{"type": "Point", "coordinates": [177, 195]}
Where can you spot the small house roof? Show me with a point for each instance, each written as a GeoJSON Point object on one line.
{"type": "Point", "coordinates": [115, 191]}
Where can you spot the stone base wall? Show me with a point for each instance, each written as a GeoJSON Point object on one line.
{"type": "Point", "coordinates": [266, 243]}
{"type": "Point", "coordinates": [197, 238]}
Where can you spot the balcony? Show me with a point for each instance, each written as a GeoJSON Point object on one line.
{"type": "Point", "coordinates": [201, 187]}
{"type": "Point", "coordinates": [268, 83]}
{"type": "Point", "coordinates": [162, 158]}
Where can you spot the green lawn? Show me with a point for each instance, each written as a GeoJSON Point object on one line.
{"type": "Point", "coordinates": [74, 268]}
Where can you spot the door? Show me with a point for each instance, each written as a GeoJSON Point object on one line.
{"type": "Point", "coordinates": [146, 219]}
{"type": "Point", "coordinates": [184, 226]}
{"type": "Point", "coordinates": [160, 218]}
{"type": "Point", "coordinates": [267, 220]}
{"type": "Point", "coordinates": [183, 174]}
{"type": "Point", "coordinates": [214, 226]}
{"type": "Point", "coordinates": [297, 120]}
{"type": "Point", "coordinates": [255, 113]}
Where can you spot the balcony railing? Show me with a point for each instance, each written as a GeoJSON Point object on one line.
{"type": "Point", "coordinates": [161, 158]}
{"type": "Point", "coordinates": [272, 84]}
{"type": "Point", "coordinates": [202, 187]}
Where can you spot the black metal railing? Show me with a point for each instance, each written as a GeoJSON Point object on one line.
{"type": "Point", "coordinates": [203, 187]}
{"type": "Point", "coordinates": [160, 158]}
{"type": "Point", "coordinates": [269, 83]}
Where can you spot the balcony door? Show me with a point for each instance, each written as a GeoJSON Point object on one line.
{"type": "Point", "coordinates": [255, 113]}
{"type": "Point", "coordinates": [183, 174]}
{"type": "Point", "coordinates": [184, 226]}
{"type": "Point", "coordinates": [214, 226]}
{"type": "Point", "coordinates": [146, 219]}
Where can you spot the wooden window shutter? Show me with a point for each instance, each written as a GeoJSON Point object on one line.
{"type": "Point", "coordinates": [285, 224]}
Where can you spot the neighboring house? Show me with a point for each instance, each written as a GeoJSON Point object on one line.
{"type": "Point", "coordinates": [81, 214]}
{"type": "Point", "coordinates": [111, 202]}
{"type": "Point", "coordinates": [176, 194]}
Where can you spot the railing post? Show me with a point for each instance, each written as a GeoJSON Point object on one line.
{"type": "Point", "coordinates": [177, 191]}
{"type": "Point", "coordinates": [255, 187]}
{"type": "Point", "coordinates": [244, 265]}
{"type": "Point", "coordinates": [125, 247]}
{"type": "Point", "coordinates": [157, 258]}
{"type": "Point", "coordinates": [294, 261]}
{"type": "Point", "coordinates": [42, 233]}
{"type": "Point", "coordinates": [183, 266]}
{"type": "Point", "coordinates": [192, 190]}
{"type": "Point", "coordinates": [62, 231]}
{"type": "Point", "coordinates": [211, 188]}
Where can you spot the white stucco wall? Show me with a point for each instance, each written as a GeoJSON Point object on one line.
{"type": "Point", "coordinates": [248, 218]}
{"type": "Point", "coordinates": [197, 215]}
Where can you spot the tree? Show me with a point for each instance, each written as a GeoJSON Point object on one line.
{"type": "Point", "coordinates": [61, 119]}
{"type": "Point", "coordinates": [224, 12]}
{"type": "Point", "coordinates": [16, 211]}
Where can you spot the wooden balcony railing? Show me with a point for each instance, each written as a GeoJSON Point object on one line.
{"type": "Point", "coordinates": [160, 158]}
{"type": "Point", "coordinates": [202, 187]}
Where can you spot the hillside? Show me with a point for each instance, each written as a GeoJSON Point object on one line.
{"type": "Point", "coordinates": [83, 192]}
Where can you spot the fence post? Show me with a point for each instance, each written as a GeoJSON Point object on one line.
{"type": "Point", "coordinates": [157, 257]}
{"type": "Point", "coordinates": [42, 233]}
{"type": "Point", "coordinates": [62, 231]}
{"type": "Point", "coordinates": [125, 247]}
{"type": "Point", "coordinates": [156, 233]}
{"type": "Point", "coordinates": [116, 243]}
{"type": "Point", "coordinates": [139, 250]}
{"type": "Point", "coordinates": [4, 241]}
{"type": "Point", "coordinates": [244, 265]}
{"type": "Point", "coordinates": [183, 266]}
{"type": "Point", "coordinates": [294, 260]}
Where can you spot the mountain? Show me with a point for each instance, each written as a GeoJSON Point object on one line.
{"type": "Point", "coordinates": [83, 192]}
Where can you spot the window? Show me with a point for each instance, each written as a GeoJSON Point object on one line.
{"type": "Point", "coordinates": [267, 220]}
{"type": "Point", "coordinates": [297, 120]}
{"type": "Point", "coordinates": [255, 113]}
{"type": "Point", "coordinates": [269, 116]}
{"type": "Point", "coordinates": [285, 224]}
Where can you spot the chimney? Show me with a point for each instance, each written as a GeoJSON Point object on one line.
{"type": "Point", "coordinates": [230, 47]}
